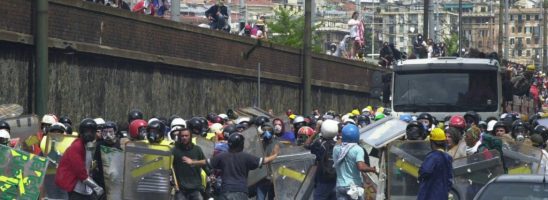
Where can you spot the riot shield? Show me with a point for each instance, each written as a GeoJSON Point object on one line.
{"type": "Point", "coordinates": [403, 161]}
{"type": "Point", "coordinates": [470, 173]}
{"type": "Point", "coordinates": [520, 158]}
{"type": "Point", "coordinates": [21, 174]}
{"type": "Point", "coordinates": [10, 110]}
{"type": "Point", "coordinates": [207, 146]}
{"type": "Point", "coordinates": [473, 172]}
{"type": "Point", "coordinates": [113, 166]}
{"type": "Point", "coordinates": [382, 132]}
{"type": "Point", "coordinates": [54, 146]}
{"type": "Point", "coordinates": [289, 170]}
{"type": "Point", "coordinates": [306, 190]}
{"type": "Point", "coordinates": [147, 171]}
{"type": "Point", "coordinates": [253, 146]}
{"type": "Point", "coordinates": [23, 126]}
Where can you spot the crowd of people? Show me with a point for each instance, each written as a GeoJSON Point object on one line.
{"type": "Point", "coordinates": [333, 138]}
{"type": "Point", "coordinates": [75, 177]}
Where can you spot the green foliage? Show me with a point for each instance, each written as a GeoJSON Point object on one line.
{"type": "Point", "coordinates": [287, 29]}
{"type": "Point", "coordinates": [452, 44]}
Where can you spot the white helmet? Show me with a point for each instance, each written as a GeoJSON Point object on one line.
{"type": "Point", "coordinates": [223, 116]}
{"type": "Point", "coordinates": [491, 125]}
{"type": "Point", "coordinates": [329, 129]}
{"type": "Point", "coordinates": [4, 134]}
{"type": "Point", "coordinates": [216, 128]}
{"type": "Point", "coordinates": [99, 121]}
{"type": "Point", "coordinates": [49, 119]}
{"type": "Point", "coordinates": [345, 117]}
{"type": "Point", "coordinates": [348, 120]}
{"type": "Point", "coordinates": [178, 122]}
{"type": "Point", "coordinates": [243, 119]}
{"type": "Point", "coordinates": [298, 119]}
{"type": "Point", "coordinates": [152, 119]}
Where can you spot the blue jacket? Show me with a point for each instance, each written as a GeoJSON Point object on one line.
{"type": "Point", "coordinates": [435, 176]}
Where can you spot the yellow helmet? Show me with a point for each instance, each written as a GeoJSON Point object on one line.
{"type": "Point", "coordinates": [292, 116]}
{"type": "Point", "coordinates": [531, 67]}
{"type": "Point", "coordinates": [437, 135]}
{"type": "Point", "coordinates": [355, 112]}
{"type": "Point", "coordinates": [380, 110]}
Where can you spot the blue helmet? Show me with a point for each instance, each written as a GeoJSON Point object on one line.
{"type": "Point", "coordinates": [406, 118]}
{"type": "Point", "coordinates": [350, 133]}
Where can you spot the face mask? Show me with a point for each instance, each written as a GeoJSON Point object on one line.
{"type": "Point", "coordinates": [277, 129]}
{"type": "Point", "coordinates": [425, 126]}
{"type": "Point", "coordinates": [4, 141]}
{"type": "Point", "coordinates": [520, 138]}
{"type": "Point", "coordinates": [267, 135]}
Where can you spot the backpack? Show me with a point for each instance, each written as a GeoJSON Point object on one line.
{"type": "Point", "coordinates": [326, 162]}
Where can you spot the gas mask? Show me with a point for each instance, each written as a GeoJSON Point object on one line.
{"type": "Point", "coordinates": [88, 136]}
{"type": "Point", "coordinates": [154, 136]}
{"type": "Point", "coordinates": [267, 135]}
{"type": "Point", "coordinates": [142, 133]}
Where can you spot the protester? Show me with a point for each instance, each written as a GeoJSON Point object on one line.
{"type": "Point", "coordinates": [270, 144]}
{"type": "Point", "coordinates": [436, 171]}
{"type": "Point", "coordinates": [189, 180]}
{"type": "Point", "coordinates": [235, 166]}
{"type": "Point", "coordinates": [218, 15]}
{"type": "Point", "coordinates": [325, 178]}
{"type": "Point", "coordinates": [349, 162]}
{"type": "Point", "coordinates": [72, 173]}
{"type": "Point", "coordinates": [144, 7]}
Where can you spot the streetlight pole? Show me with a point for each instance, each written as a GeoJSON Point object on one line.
{"type": "Point", "coordinates": [545, 35]}
{"type": "Point", "coordinates": [460, 28]}
{"type": "Point", "coordinates": [506, 30]}
{"type": "Point", "coordinates": [307, 69]}
{"type": "Point", "coordinates": [373, 32]}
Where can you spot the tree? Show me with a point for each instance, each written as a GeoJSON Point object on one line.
{"type": "Point", "coordinates": [452, 44]}
{"type": "Point", "coordinates": [288, 29]}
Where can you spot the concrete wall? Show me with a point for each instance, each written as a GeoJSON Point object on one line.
{"type": "Point", "coordinates": [105, 61]}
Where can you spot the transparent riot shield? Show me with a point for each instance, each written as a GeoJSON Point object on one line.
{"type": "Point", "coordinates": [54, 146]}
{"type": "Point", "coordinates": [147, 171]}
{"type": "Point", "coordinates": [403, 161]}
{"type": "Point", "coordinates": [520, 158]}
{"type": "Point", "coordinates": [24, 126]}
{"type": "Point", "coordinates": [21, 174]}
{"type": "Point", "coordinates": [471, 173]}
{"type": "Point", "coordinates": [289, 171]}
{"type": "Point", "coordinates": [113, 171]}
{"type": "Point", "coordinates": [306, 190]}
{"type": "Point", "coordinates": [207, 146]}
{"type": "Point", "coordinates": [253, 146]}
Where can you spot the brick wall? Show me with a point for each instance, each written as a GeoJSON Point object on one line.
{"type": "Point", "coordinates": [106, 42]}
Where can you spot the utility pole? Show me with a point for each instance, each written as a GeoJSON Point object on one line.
{"type": "Point", "coordinates": [506, 30]}
{"type": "Point", "coordinates": [373, 32]}
{"type": "Point", "coordinates": [426, 14]}
{"type": "Point", "coordinates": [460, 28]}
{"type": "Point", "coordinates": [307, 69]}
{"type": "Point", "coordinates": [501, 11]}
{"type": "Point", "coordinates": [545, 36]}
{"type": "Point", "coordinates": [41, 85]}
{"type": "Point", "coordinates": [176, 10]}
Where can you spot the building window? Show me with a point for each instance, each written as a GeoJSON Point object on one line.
{"type": "Point", "coordinates": [528, 40]}
{"type": "Point", "coordinates": [536, 40]}
{"type": "Point", "coordinates": [519, 53]}
{"type": "Point", "coordinates": [513, 53]}
{"type": "Point", "coordinates": [528, 17]}
{"type": "Point", "coordinates": [402, 39]}
{"type": "Point", "coordinates": [511, 17]}
{"type": "Point", "coordinates": [536, 17]}
{"type": "Point", "coordinates": [519, 29]}
{"type": "Point", "coordinates": [528, 53]}
{"type": "Point", "coordinates": [513, 29]}
{"type": "Point", "coordinates": [511, 40]}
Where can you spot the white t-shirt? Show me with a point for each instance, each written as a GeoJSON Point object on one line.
{"type": "Point", "coordinates": [353, 23]}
